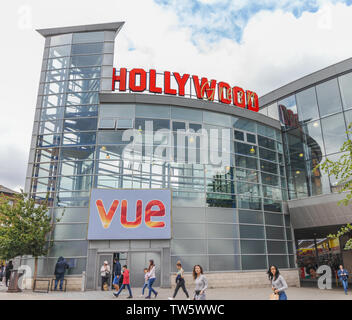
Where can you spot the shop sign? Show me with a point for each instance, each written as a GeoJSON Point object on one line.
{"type": "Point", "coordinates": [116, 214]}
{"type": "Point", "coordinates": [175, 84]}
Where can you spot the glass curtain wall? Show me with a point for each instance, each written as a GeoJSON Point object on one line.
{"type": "Point", "coordinates": [224, 217]}
{"type": "Point", "coordinates": [64, 162]}
{"type": "Point", "coordinates": [314, 123]}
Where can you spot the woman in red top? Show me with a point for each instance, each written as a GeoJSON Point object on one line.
{"type": "Point", "coordinates": [125, 282]}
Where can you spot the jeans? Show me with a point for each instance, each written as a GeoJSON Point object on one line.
{"type": "Point", "coordinates": [59, 277]}
{"type": "Point", "coordinates": [144, 286]}
{"type": "Point", "coordinates": [282, 295]}
{"type": "Point", "coordinates": [123, 287]}
{"type": "Point", "coordinates": [150, 283]}
{"type": "Point", "coordinates": [181, 284]}
{"type": "Point", "coordinates": [345, 285]}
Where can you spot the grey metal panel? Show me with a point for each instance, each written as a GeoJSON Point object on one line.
{"type": "Point", "coordinates": [309, 80]}
{"type": "Point", "coordinates": [113, 26]}
{"type": "Point", "coordinates": [165, 268]}
{"type": "Point", "coordinates": [91, 269]}
{"type": "Point", "coordinates": [99, 244]}
{"type": "Point", "coordinates": [155, 244]}
{"type": "Point", "coordinates": [319, 211]}
{"type": "Point", "coordinates": [119, 245]}
{"type": "Point", "coordinates": [139, 244]}
{"type": "Point", "coordinates": [187, 103]}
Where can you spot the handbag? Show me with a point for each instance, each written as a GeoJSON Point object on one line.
{"type": "Point", "coordinates": [274, 296]}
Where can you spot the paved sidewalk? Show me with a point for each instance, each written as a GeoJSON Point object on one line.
{"type": "Point", "coordinates": [216, 294]}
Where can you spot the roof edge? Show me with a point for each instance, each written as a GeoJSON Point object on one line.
{"type": "Point", "coordinates": [112, 26]}
{"type": "Point", "coordinates": [306, 81]}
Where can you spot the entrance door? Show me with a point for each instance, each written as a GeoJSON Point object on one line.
{"type": "Point", "coordinates": [101, 258]}
{"type": "Point", "coordinates": [140, 260]}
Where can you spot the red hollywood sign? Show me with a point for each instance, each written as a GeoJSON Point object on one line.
{"type": "Point", "coordinates": [204, 89]}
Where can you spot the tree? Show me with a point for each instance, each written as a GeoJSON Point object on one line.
{"type": "Point", "coordinates": [341, 170]}
{"type": "Point", "coordinates": [24, 228]}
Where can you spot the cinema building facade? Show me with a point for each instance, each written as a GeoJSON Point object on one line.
{"type": "Point", "coordinates": [233, 217]}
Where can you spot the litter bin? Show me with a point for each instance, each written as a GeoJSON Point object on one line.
{"type": "Point", "coordinates": [14, 278]}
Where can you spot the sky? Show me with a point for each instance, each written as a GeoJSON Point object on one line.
{"type": "Point", "coordinates": [258, 45]}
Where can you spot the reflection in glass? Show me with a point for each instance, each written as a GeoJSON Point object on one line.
{"type": "Point", "coordinates": [288, 112]}
{"type": "Point", "coordinates": [345, 82]}
{"type": "Point", "coordinates": [329, 97]}
{"type": "Point", "coordinates": [307, 105]}
{"type": "Point", "coordinates": [334, 132]}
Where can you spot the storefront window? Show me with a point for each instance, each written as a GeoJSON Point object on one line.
{"type": "Point", "coordinates": [345, 82]}
{"type": "Point", "coordinates": [334, 133]}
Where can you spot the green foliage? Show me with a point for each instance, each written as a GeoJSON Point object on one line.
{"type": "Point", "coordinates": [341, 169]}
{"type": "Point", "coordinates": [24, 227]}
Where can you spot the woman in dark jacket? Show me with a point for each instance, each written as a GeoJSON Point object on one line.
{"type": "Point", "coordinates": [60, 268]}
{"type": "Point", "coordinates": [9, 268]}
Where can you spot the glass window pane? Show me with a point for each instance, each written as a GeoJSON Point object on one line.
{"type": "Point", "coordinates": [245, 162]}
{"type": "Point", "coordinates": [186, 114]}
{"type": "Point", "coordinates": [224, 263]}
{"type": "Point", "coordinates": [61, 51]}
{"type": "Point", "coordinates": [222, 231]}
{"type": "Point", "coordinates": [329, 97]}
{"type": "Point", "coordinates": [82, 37]}
{"type": "Point", "coordinates": [279, 261]}
{"type": "Point", "coordinates": [267, 154]}
{"type": "Point", "coordinates": [345, 82]}
{"type": "Point", "coordinates": [245, 149]}
{"type": "Point", "coordinates": [255, 262]}
{"type": "Point", "coordinates": [244, 124]}
{"type": "Point", "coordinates": [334, 133]}
{"type": "Point", "coordinates": [273, 111]}
{"type": "Point", "coordinates": [307, 105]}
{"type": "Point", "coordinates": [84, 73]}
{"type": "Point", "coordinates": [273, 219]}
{"type": "Point", "coordinates": [239, 135]}
{"type": "Point", "coordinates": [288, 112]}
{"type": "Point", "coordinates": [266, 142]}
{"type": "Point", "coordinates": [252, 246]}
{"type": "Point", "coordinates": [251, 217]}
{"type": "Point", "coordinates": [251, 232]}
{"type": "Point", "coordinates": [117, 111]}
{"type": "Point", "coordinates": [223, 246]}
{"type": "Point", "coordinates": [61, 39]}
{"type": "Point", "coordinates": [314, 139]}
{"type": "Point", "coordinates": [87, 48]}
{"type": "Point", "coordinates": [58, 63]}
{"type": "Point", "coordinates": [81, 111]}
{"type": "Point", "coordinates": [85, 61]}
{"type": "Point", "coordinates": [216, 118]}
{"type": "Point", "coordinates": [275, 233]}
{"type": "Point", "coordinates": [150, 111]}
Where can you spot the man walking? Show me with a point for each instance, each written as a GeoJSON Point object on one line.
{"type": "Point", "coordinates": [343, 276]}
{"type": "Point", "coordinates": [116, 274]}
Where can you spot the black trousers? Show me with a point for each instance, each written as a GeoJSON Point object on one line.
{"type": "Point", "coordinates": [7, 278]}
{"type": "Point", "coordinates": [104, 280]}
{"type": "Point", "coordinates": [181, 284]}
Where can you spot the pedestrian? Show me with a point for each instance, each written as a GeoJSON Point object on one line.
{"type": "Point", "coordinates": [2, 268]}
{"type": "Point", "coordinates": [151, 279]}
{"type": "Point", "coordinates": [125, 283]}
{"type": "Point", "coordinates": [278, 283]}
{"type": "Point", "coordinates": [146, 278]}
{"type": "Point", "coordinates": [180, 281]}
{"type": "Point", "coordinates": [60, 268]}
{"type": "Point", "coordinates": [116, 274]}
{"type": "Point", "coordinates": [343, 277]}
{"type": "Point", "coordinates": [201, 283]}
{"type": "Point", "coordinates": [105, 274]}
{"type": "Point", "coordinates": [9, 268]}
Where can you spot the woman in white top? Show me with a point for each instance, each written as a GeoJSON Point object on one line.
{"type": "Point", "coordinates": [105, 274]}
{"type": "Point", "coordinates": [151, 279]}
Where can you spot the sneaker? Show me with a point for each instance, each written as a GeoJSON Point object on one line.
{"type": "Point", "coordinates": [142, 295]}
{"type": "Point", "coordinates": [115, 294]}
{"type": "Point", "coordinates": [170, 298]}
{"type": "Point", "coordinates": [156, 295]}
{"type": "Point", "coordinates": [129, 297]}
{"type": "Point", "coordinates": [147, 297]}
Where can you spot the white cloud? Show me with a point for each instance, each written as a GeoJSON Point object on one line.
{"type": "Point", "coordinates": [276, 48]}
